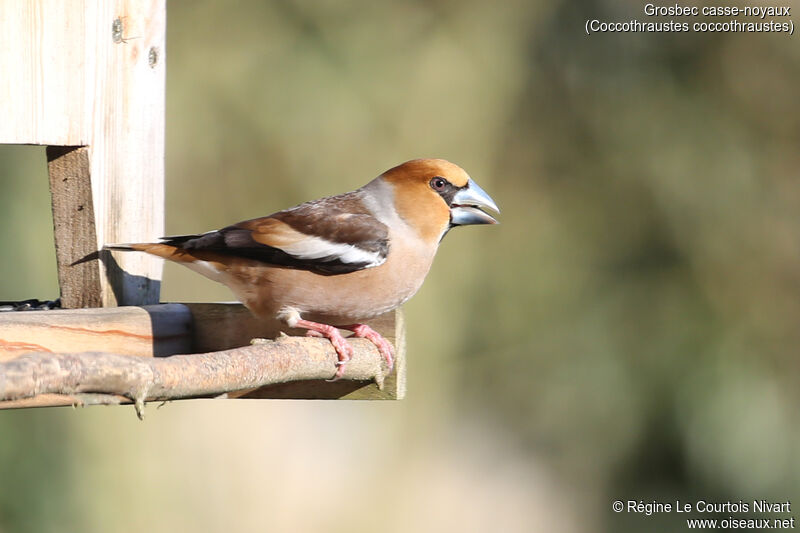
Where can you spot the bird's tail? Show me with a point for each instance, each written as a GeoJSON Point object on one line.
{"type": "Point", "coordinates": [142, 247]}
{"type": "Point", "coordinates": [156, 248]}
{"type": "Point", "coordinates": [122, 247]}
{"type": "Point", "coordinates": [206, 263]}
{"type": "Point", "coordinates": [131, 247]}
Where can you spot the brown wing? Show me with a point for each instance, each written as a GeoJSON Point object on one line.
{"type": "Point", "coordinates": [332, 236]}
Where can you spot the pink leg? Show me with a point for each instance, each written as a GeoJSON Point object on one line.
{"type": "Point", "coordinates": [384, 346]}
{"type": "Point", "coordinates": [340, 344]}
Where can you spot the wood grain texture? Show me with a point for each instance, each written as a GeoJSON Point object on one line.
{"type": "Point", "coordinates": [178, 377]}
{"type": "Point", "coordinates": [46, 90]}
{"type": "Point", "coordinates": [127, 141]}
{"type": "Point", "coordinates": [91, 73]}
{"type": "Point", "coordinates": [150, 331]}
{"type": "Point", "coordinates": [168, 329]}
{"type": "Point", "coordinates": [73, 224]}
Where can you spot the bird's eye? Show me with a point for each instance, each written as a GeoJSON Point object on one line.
{"type": "Point", "coordinates": [438, 184]}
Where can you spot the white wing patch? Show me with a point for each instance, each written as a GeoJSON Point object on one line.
{"type": "Point", "coordinates": [206, 269]}
{"type": "Point", "coordinates": [319, 248]}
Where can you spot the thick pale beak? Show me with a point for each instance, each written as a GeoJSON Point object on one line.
{"type": "Point", "coordinates": [466, 204]}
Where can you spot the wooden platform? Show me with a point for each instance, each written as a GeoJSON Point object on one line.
{"type": "Point", "coordinates": [168, 329]}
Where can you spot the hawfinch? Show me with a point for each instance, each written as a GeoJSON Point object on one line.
{"type": "Point", "coordinates": [334, 262]}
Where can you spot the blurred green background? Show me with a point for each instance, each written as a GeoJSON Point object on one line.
{"type": "Point", "coordinates": [629, 331]}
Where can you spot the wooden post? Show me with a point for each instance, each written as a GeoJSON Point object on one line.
{"type": "Point", "coordinates": [89, 74]}
{"type": "Point", "coordinates": [73, 225]}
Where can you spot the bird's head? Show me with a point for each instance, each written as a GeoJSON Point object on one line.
{"type": "Point", "coordinates": [434, 195]}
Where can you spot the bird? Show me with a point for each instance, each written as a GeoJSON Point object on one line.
{"type": "Point", "coordinates": [333, 263]}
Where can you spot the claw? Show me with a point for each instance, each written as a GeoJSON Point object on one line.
{"type": "Point", "coordinates": [339, 372]}
{"type": "Point", "coordinates": [384, 347]}
{"type": "Point", "coordinates": [340, 344]}
{"type": "Point", "coordinates": [343, 348]}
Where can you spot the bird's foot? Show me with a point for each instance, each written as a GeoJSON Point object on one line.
{"type": "Point", "coordinates": [384, 347]}
{"type": "Point", "coordinates": [340, 344]}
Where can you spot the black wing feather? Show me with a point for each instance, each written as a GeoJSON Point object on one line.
{"type": "Point", "coordinates": [358, 228]}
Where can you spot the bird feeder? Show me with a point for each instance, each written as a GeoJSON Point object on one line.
{"type": "Point", "coordinates": [86, 79]}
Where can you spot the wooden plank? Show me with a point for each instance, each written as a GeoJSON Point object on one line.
{"type": "Point", "coordinates": [73, 223]}
{"type": "Point", "coordinates": [169, 329]}
{"type": "Point", "coordinates": [220, 326]}
{"type": "Point", "coordinates": [44, 87]}
{"type": "Point", "coordinates": [156, 330]}
{"type": "Point", "coordinates": [127, 71]}
{"type": "Point", "coordinates": [91, 73]}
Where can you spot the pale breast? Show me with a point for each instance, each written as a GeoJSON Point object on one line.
{"type": "Point", "coordinates": [338, 298]}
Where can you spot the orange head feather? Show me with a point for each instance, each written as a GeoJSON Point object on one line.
{"type": "Point", "coordinates": [416, 197]}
